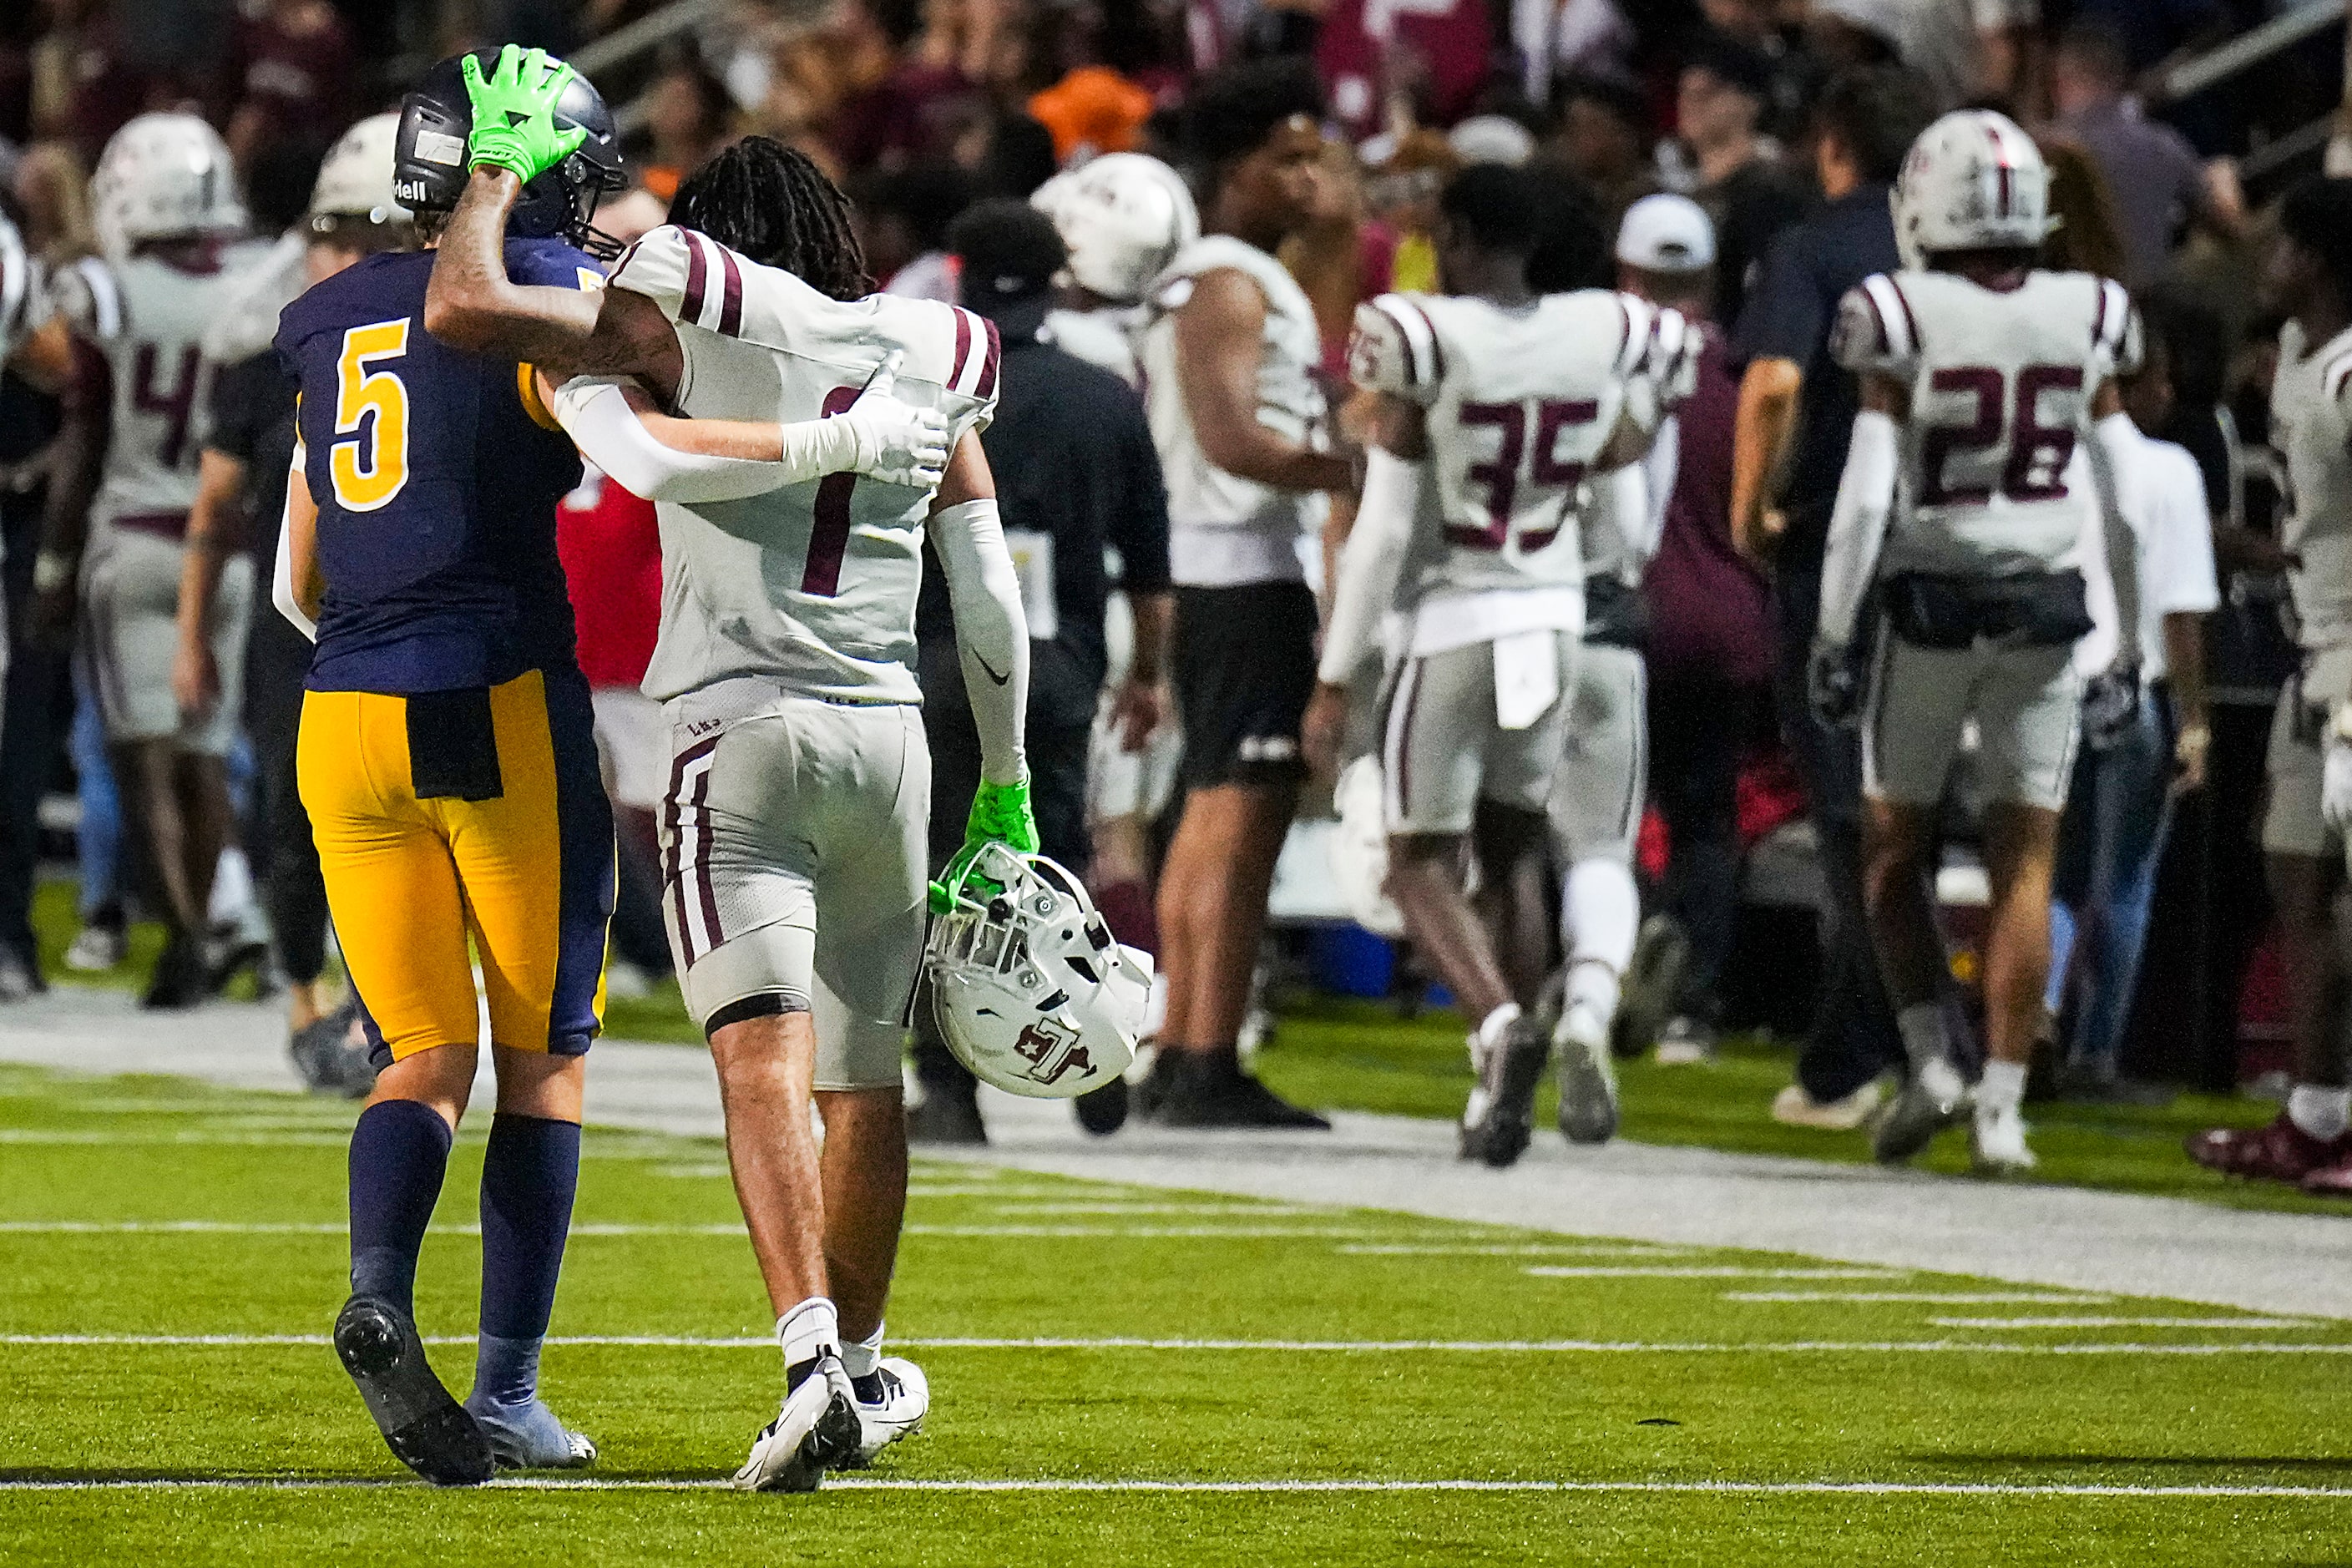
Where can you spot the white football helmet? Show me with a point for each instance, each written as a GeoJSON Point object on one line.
{"type": "Point", "coordinates": [1973, 181]}
{"type": "Point", "coordinates": [1124, 217]}
{"type": "Point", "coordinates": [1030, 989]}
{"type": "Point", "coordinates": [355, 182]}
{"type": "Point", "coordinates": [1360, 849]}
{"type": "Point", "coordinates": [163, 176]}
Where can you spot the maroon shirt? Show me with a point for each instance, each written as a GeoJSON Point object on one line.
{"type": "Point", "coordinates": [1710, 610]}
{"type": "Point", "coordinates": [300, 85]}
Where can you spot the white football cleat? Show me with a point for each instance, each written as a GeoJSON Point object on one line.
{"type": "Point", "coordinates": [901, 1398]}
{"type": "Point", "coordinates": [817, 1430]}
{"type": "Point", "coordinates": [1997, 1146]}
{"type": "Point", "coordinates": [1587, 1078]}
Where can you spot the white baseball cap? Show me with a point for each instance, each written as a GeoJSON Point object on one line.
{"type": "Point", "coordinates": [1665, 233]}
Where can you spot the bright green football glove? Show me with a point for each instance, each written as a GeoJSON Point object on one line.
{"type": "Point", "coordinates": [514, 114]}
{"type": "Point", "coordinates": [1000, 814]}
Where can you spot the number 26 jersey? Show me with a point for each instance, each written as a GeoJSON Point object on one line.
{"type": "Point", "coordinates": [811, 585]}
{"type": "Point", "coordinates": [436, 474]}
{"type": "Point", "coordinates": [2001, 383]}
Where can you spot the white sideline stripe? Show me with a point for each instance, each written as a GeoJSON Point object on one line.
{"type": "Point", "coordinates": [1113, 1209]}
{"type": "Point", "coordinates": [2257, 1324]}
{"type": "Point", "coordinates": [1526, 1249]}
{"type": "Point", "coordinates": [1344, 1347]}
{"type": "Point", "coordinates": [720, 1228]}
{"type": "Point", "coordinates": [1926, 1298]}
{"type": "Point", "coordinates": [1310, 1488]}
{"type": "Point", "coordinates": [1712, 1271]}
{"type": "Point", "coordinates": [1229, 1232]}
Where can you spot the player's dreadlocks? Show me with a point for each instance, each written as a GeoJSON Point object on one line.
{"type": "Point", "coordinates": [770, 203]}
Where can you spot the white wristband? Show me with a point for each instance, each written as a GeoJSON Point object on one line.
{"type": "Point", "coordinates": [52, 570]}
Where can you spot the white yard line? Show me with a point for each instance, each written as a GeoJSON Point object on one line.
{"type": "Point", "coordinates": [1297, 1347]}
{"type": "Point", "coordinates": [1527, 1249]}
{"type": "Point", "coordinates": [1705, 1271]}
{"type": "Point", "coordinates": [1926, 1297]}
{"type": "Point", "coordinates": [1257, 1488]}
{"type": "Point", "coordinates": [721, 1228]}
{"type": "Point", "coordinates": [2251, 1325]}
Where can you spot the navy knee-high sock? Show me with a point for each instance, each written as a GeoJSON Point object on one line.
{"type": "Point", "coordinates": [530, 1172]}
{"type": "Point", "coordinates": [399, 1150]}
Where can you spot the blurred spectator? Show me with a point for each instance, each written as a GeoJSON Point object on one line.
{"type": "Point", "coordinates": [84, 87]}
{"type": "Point", "coordinates": [1570, 38]}
{"type": "Point", "coordinates": [1709, 649]}
{"type": "Point", "coordinates": [1795, 73]}
{"type": "Point", "coordinates": [292, 71]}
{"type": "Point", "coordinates": [2157, 182]}
{"type": "Point", "coordinates": [902, 219]}
{"type": "Point", "coordinates": [52, 191]}
{"type": "Point", "coordinates": [1402, 194]}
{"type": "Point", "coordinates": [1428, 59]}
{"type": "Point", "coordinates": [1603, 137]}
{"type": "Point", "coordinates": [687, 115]}
{"type": "Point", "coordinates": [2086, 237]}
{"type": "Point", "coordinates": [1795, 409]}
{"type": "Point", "coordinates": [1342, 258]}
{"type": "Point", "coordinates": [1748, 195]}
{"type": "Point", "coordinates": [1967, 50]}
{"type": "Point", "coordinates": [895, 91]}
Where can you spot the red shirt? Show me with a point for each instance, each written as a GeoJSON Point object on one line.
{"type": "Point", "coordinates": [612, 558]}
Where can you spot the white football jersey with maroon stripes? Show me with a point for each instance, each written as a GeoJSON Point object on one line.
{"type": "Point", "coordinates": [147, 318]}
{"type": "Point", "coordinates": [2311, 428]}
{"type": "Point", "coordinates": [2001, 385]}
{"type": "Point", "coordinates": [1519, 405]}
{"type": "Point", "coordinates": [811, 585]}
{"type": "Point", "coordinates": [24, 301]}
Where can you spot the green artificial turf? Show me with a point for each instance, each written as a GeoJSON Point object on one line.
{"type": "Point", "coordinates": [1422, 1351]}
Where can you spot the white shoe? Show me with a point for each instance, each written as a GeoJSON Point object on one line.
{"type": "Point", "coordinates": [1997, 1146]}
{"type": "Point", "coordinates": [817, 1430]}
{"type": "Point", "coordinates": [902, 1398]}
{"type": "Point", "coordinates": [96, 950]}
{"type": "Point", "coordinates": [1587, 1078]}
{"type": "Point", "coordinates": [1792, 1106]}
{"type": "Point", "coordinates": [1685, 1042]}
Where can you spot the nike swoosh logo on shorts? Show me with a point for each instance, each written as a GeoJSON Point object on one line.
{"type": "Point", "coordinates": [1000, 679]}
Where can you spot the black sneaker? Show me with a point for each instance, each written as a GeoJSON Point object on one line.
{"type": "Point", "coordinates": [1151, 1095]}
{"type": "Point", "coordinates": [1210, 1090]}
{"type": "Point", "coordinates": [182, 978]}
{"type": "Point", "coordinates": [946, 1118]}
{"type": "Point", "coordinates": [1653, 980]}
{"type": "Point", "coordinates": [331, 1053]}
{"type": "Point", "coordinates": [425, 1429]}
{"type": "Point", "coordinates": [1103, 1112]}
{"type": "Point", "coordinates": [1500, 1120]}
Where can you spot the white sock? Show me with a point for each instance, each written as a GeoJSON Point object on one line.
{"type": "Point", "coordinates": [1602, 911]}
{"type": "Point", "coordinates": [860, 1358]}
{"type": "Point", "coordinates": [1592, 986]}
{"type": "Point", "coordinates": [808, 1330]}
{"type": "Point", "coordinates": [2002, 1089]}
{"type": "Point", "coordinates": [2322, 1113]}
{"type": "Point", "coordinates": [1490, 1031]}
{"type": "Point", "coordinates": [1921, 1024]}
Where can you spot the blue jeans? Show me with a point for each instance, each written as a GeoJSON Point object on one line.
{"type": "Point", "coordinates": [2118, 810]}
{"type": "Point", "coordinates": [98, 841]}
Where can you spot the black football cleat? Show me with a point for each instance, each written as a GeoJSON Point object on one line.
{"type": "Point", "coordinates": [1103, 1112]}
{"type": "Point", "coordinates": [425, 1429]}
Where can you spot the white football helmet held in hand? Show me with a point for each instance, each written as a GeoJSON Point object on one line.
{"type": "Point", "coordinates": [1973, 181]}
{"type": "Point", "coordinates": [1030, 989]}
{"type": "Point", "coordinates": [1360, 849]}
{"type": "Point", "coordinates": [1124, 216]}
{"type": "Point", "coordinates": [163, 176]}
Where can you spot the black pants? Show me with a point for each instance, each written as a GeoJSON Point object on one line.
{"type": "Point", "coordinates": [1852, 1038]}
{"type": "Point", "coordinates": [284, 855]}
{"type": "Point", "coordinates": [1057, 793]}
{"type": "Point", "coordinates": [1700, 727]}
{"type": "Point", "coordinates": [34, 707]}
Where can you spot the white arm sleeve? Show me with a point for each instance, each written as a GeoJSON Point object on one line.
{"type": "Point", "coordinates": [1370, 563]}
{"type": "Point", "coordinates": [282, 579]}
{"type": "Point", "coordinates": [991, 634]}
{"type": "Point", "coordinates": [2110, 449]}
{"type": "Point", "coordinates": [597, 416]}
{"type": "Point", "coordinates": [1858, 524]}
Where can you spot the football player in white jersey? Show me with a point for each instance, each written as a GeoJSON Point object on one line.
{"type": "Point", "coordinates": [1124, 216]}
{"type": "Point", "coordinates": [795, 831]}
{"type": "Point", "coordinates": [2307, 829]}
{"type": "Point", "coordinates": [1960, 516]}
{"type": "Point", "coordinates": [1229, 365]}
{"type": "Point", "coordinates": [170, 225]}
{"type": "Point", "coordinates": [1496, 405]}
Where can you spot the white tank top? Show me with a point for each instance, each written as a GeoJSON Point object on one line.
{"type": "Point", "coordinates": [1225, 530]}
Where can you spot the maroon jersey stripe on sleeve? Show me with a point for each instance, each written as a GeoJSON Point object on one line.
{"type": "Point", "coordinates": [730, 306]}
{"type": "Point", "coordinates": [987, 385]}
{"type": "Point", "coordinates": [963, 346]}
{"type": "Point", "coordinates": [698, 279]}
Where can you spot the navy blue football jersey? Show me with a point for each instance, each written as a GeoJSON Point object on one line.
{"type": "Point", "coordinates": [437, 485]}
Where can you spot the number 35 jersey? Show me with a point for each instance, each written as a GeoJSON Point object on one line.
{"type": "Point", "coordinates": [1520, 404]}
{"type": "Point", "coordinates": [811, 585]}
{"type": "Point", "coordinates": [436, 477]}
{"type": "Point", "coordinates": [2002, 385]}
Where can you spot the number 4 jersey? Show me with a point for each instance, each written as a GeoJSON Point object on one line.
{"type": "Point", "coordinates": [1519, 403]}
{"type": "Point", "coordinates": [811, 585]}
{"type": "Point", "coordinates": [2002, 385]}
{"type": "Point", "coordinates": [436, 474]}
